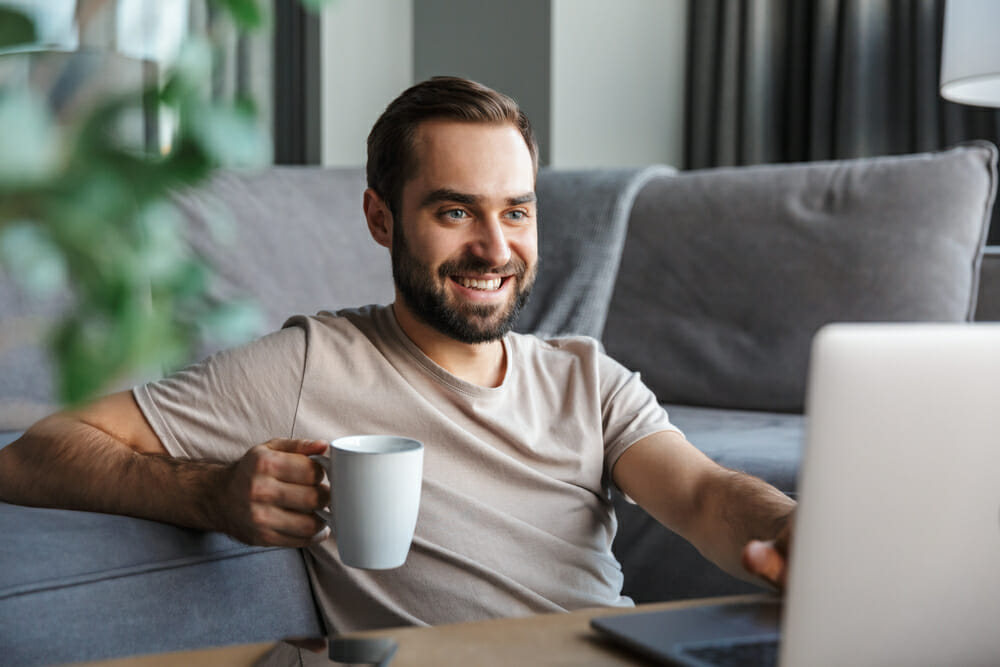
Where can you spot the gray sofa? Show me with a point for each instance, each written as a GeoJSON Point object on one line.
{"type": "Point", "coordinates": [709, 283]}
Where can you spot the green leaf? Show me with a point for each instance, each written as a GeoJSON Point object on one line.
{"type": "Point", "coordinates": [233, 323]}
{"type": "Point", "coordinates": [16, 29]}
{"type": "Point", "coordinates": [191, 71]}
{"type": "Point", "coordinates": [90, 197]}
{"type": "Point", "coordinates": [29, 141]}
{"type": "Point", "coordinates": [90, 216]}
{"type": "Point", "coordinates": [161, 248]}
{"type": "Point", "coordinates": [187, 164]}
{"type": "Point", "coordinates": [32, 259]}
{"type": "Point", "coordinates": [80, 344]}
{"type": "Point", "coordinates": [188, 282]}
{"type": "Point", "coordinates": [230, 136]}
{"type": "Point", "coordinates": [247, 14]}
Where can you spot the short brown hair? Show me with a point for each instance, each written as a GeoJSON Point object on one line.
{"type": "Point", "coordinates": [391, 160]}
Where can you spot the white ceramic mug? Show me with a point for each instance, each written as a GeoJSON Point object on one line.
{"type": "Point", "coordinates": [375, 485]}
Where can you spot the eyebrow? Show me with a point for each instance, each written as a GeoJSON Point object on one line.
{"type": "Point", "coordinates": [526, 198]}
{"type": "Point", "coordinates": [447, 195]}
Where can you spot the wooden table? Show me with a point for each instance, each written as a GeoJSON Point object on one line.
{"type": "Point", "coordinates": [550, 639]}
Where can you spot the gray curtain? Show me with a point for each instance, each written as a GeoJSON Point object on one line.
{"type": "Point", "coordinates": [793, 80]}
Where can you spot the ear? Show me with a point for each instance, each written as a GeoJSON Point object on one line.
{"type": "Point", "coordinates": [379, 218]}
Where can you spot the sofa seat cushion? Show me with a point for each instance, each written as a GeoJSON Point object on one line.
{"type": "Point", "coordinates": [154, 588]}
{"type": "Point", "coordinates": [765, 444]}
{"type": "Point", "coordinates": [660, 565]}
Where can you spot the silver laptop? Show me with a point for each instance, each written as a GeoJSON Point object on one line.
{"type": "Point", "coordinates": [896, 554]}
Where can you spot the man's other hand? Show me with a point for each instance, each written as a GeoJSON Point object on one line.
{"type": "Point", "coordinates": [768, 559]}
{"type": "Point", "coordinates": [270, 495]}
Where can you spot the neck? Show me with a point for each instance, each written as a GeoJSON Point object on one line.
{"type": "Point", "coordinates": [482, 364]}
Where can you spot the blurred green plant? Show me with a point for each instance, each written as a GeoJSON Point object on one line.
{"type": "Point", "coordinates": [84, 214]}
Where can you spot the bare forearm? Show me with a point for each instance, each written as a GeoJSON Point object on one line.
{"type": "Point", "coordinates": [716, 509]}
{"type": "Point", "coordinates": [63, 462]}
{"type": "Point", "coordinates": [745, 508]}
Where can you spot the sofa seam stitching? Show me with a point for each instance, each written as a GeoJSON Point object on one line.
{"type": "Point", "coordinates": [123, 572]}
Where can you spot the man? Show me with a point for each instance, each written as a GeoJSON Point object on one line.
{"type": "Point", "coordinates": [523, 437]}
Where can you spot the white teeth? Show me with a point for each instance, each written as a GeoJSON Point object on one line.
{"type": "Point", "coordinates": [489, 285]}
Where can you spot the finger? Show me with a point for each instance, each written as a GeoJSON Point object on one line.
{"type": "Point", "coordinates": [290, 495]}
{"type": "Point", "coordinates": [298, 446]}
{"type": "Point", "coordinates": [762, 559]}
{"type": "Point", "coordinates": [272, 538]}
{"type": "Point", "coordinates": [283, 527]}
{"type": "Point", "coordinates": [298, 541]}
{"type": "Point", "coordinates": [306, 532]}
{"type": "Point", "coordinates": [782, 543]}
{"type": "Point", "coordinates": [293, 467]}
{"type": "Point", "coordinates": [302, 498]}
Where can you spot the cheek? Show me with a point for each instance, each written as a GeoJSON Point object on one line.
{"type": "Point", "coordinates": [525, 244]}
{"type": "Point", "coordinates": [427, 243]}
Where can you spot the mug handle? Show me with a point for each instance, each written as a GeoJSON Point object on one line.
{"type": "Point", "coordinates": [325, 514]}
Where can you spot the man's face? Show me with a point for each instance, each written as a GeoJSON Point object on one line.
{"type": "Point", "coordinates": [464, 248]}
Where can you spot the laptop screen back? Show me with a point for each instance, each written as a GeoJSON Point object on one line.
{"type": "Point", "coordinates": [896, 555]}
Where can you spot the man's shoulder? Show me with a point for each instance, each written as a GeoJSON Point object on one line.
{"type": "Point", "coordinates": [582, 352]}
{"type": "Point", "coordinates": [347, 320]}
{"type": "Point", "coordinates": [566, 344]}
{"type": "Point", "coordinates": [352, 332]}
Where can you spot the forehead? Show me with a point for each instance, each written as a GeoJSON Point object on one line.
{"type": "Point", "coordinates": [471, 158]}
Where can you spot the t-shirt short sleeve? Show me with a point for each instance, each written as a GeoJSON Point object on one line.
{"type": "Point", "coordinates": [221, 407]}
{"type": "Point", "coordinates": [630, 411]}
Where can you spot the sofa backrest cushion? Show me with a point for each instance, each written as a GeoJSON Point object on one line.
{"type": "Point", "coordinates": [727, 273]}
{"type": "Point", "coordinates": [294, 239]}
{"type": "Point", "coordinates": [582, 221]}
{"type": "Point", "coordinates": [300, 243]}
{"type": "Point", "coordinates": [27, 384]}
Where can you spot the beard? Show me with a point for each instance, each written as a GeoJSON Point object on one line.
{"type": "Point", "coordinates": [425, 293]}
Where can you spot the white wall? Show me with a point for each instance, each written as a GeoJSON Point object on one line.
{"type": "Point", "coordinates": [618, 71]}
{"type": "Point", "coordinates": [367, 48]}
{"type": "Point", "coordinates": [505, 45]}
{"type": "Point", "coordinates": [616, 84]}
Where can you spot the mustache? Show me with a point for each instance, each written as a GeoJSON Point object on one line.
{"type": "Point", "coordinates": [474, 265]}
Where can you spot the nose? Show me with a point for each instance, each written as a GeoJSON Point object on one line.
{"type": "Point", "coordinates": [490, 244]}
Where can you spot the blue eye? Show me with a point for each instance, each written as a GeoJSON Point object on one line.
{"type": "Point", "coordinates": [455, 214]}
{"type": "Point", "coordinates": [517, 215]}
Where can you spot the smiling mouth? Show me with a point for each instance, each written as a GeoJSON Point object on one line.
{"type": "Point", "coordinates": [484, 285]}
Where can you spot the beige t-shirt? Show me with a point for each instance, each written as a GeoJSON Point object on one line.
{"type": "Point", "coordinates": [515, 512]}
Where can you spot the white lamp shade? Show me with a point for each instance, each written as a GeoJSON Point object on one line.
{"type": "Point", "coordinates": [970, 55]}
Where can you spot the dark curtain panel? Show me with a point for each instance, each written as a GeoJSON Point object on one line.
{"type": "Point", "coordinates": [795, 80]}
{"type": "Point", "coordinates": [297, 126]}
